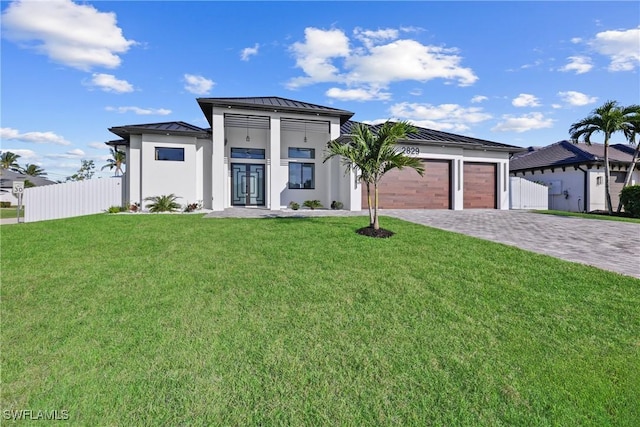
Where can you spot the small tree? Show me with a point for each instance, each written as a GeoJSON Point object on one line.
{"type": "Point", "coordinates": [373, 154]}
{"type": "Point", "coordinates": [165, 203]}
{"type": "Point", "coordinates": [118, 158]}
{"type": "Point", "coordinates": [9, 160]}
{"type": "Point", "coordinates": [631, 130]}
{"type": "Point", "coordinates": [32, 170]}
{"type": "Point", "coordinates": [86, 171]}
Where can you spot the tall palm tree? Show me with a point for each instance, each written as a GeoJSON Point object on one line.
{"type": "Point", "coordinates": [9, 160]}
{"type": "Point", "coordinates": [116, 161]}
{"type": "Point", "coordinates": [631, 130]}
{"type": "Point", "coordinates": [371, 154]}
{"type": "Point", "coordinates": [608, 119]}
{"type": "Point", "coordinates": [32, 170]}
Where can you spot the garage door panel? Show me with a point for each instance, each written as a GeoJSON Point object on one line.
{"type": "Point", "coordinates": [480, 181]}
{"type": "Point", "coordinates": [406, 189]}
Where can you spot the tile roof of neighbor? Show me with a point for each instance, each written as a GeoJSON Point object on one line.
{"type": "Point", "coordinates": [565, 153]}
{"type": "Point", "coordinates": [436, 137]}
{"type": "Point", "coordinates": [270, 103]}
{"type": "Point", "coordinates": [8, 176]}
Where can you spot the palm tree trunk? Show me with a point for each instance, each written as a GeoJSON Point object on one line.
{"type": "Point", "coordinates": [627, 179]}
{"type": "Point", "coordinates": [369, 205]}
{"type": "Point", "coordinates": [376, 224]}
{"type": "Point", "coordinates": [607, 187]}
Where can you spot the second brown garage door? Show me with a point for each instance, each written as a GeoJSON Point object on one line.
{"type": "Point", "coordinates": [479, 185]}
{"type": "Point", "coordinates": [405, 189]}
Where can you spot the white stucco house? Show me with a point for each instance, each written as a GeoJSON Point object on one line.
{"type": "Point", "coordinates": [269, 151]}
{"type": "Point", "coordinates": [574, 173]}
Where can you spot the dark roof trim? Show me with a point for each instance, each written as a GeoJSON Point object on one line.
{"type": "Point", "coordinates": [271, 103]}
{"type": "Point", "coordinates": [165, 128]}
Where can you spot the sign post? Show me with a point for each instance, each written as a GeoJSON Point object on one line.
{"type": "Point", "coordinates": [18, 190]}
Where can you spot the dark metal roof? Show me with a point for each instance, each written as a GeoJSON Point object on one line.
{"type": "Point", "coordinates": [564, 153]}
{"type": "Point", "coordinates": [117, 142]}
{"type": "Point", "coordinates": [167, 128]}
{"type": "Point", "coordinates": [8, 176]}
{"type": "Point", "coordinates": [434, 137]}
{"type": "Point", "coordinates": [271, 103]}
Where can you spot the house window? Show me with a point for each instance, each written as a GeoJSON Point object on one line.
{"type": "Point", "coordinates": [301, 175]}
{"type": "Point", "coordinates": [302, 153]}
{"type": "Point", "coordinates": [170, 154]}
{"type": "Point", "coordinates": [247, 153]}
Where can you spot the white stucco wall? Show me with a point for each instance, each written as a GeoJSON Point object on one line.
{"type": "Point", "coordinates": [566, 189]}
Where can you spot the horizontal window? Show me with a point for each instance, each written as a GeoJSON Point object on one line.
{"type": "Point", "coordinates": [247, 153]}
{"type": "Point", "coordinates": [301, 175]}
{"type": "Point", "coordinates": [302, 153]}
{"type": "Point", "coordinates": [171, 154]}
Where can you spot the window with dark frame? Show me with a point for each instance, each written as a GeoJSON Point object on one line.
{"type": "Point", "coordinates": [247, 153]}
{"type": "Point", "coordinates": [302, 153]}
{"type": "Point", "coordinates": [170, 154]}
{"type": "Point", "coordinates": [302, 176]}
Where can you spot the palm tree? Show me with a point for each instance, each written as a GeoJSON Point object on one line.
{"type": "Point", "coordinates": [608, 119]}
{"type": "Point", "coordinates": [32, 170]}
{"type": "Point", "coordinates": [9, 160]}
{"type": "Point", "coordinates": [116, 161]}
{"type": "Point", "coordinates": [371, 154]}
{"type": "Point", "coordinates": [630, 132]}
{"type": "Point", "coordinates": [165, 203]}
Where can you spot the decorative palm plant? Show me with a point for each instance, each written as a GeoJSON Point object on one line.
{"type": "Point", "coordinates": [164, 203]}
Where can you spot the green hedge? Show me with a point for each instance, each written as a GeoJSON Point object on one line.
{"type": "Point", "coordinates": [630, 199]}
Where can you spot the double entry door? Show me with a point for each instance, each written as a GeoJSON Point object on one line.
{"type": "Point", "coordinates": [247, 184]}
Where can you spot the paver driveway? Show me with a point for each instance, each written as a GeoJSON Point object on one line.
{"type": "Point", "coordinates": [609, 245]}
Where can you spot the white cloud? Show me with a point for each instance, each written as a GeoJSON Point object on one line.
{"type": "Point", "coordinates": [140, 111]}
{"type": "Point", "coordinates": [249, 51]}
{"type": "Point", "coordinates": [23, 153]}
{"type": "Point", "coordinates": [576, 40]}
{"type": "Point", "coordinates": [97, 145]}
{"type": "Point", "coordinates": [450, 117]}
{"type": "Point", "coordinates": [357, 94]}
{"type": "Point", "coordinates": [76, 35]}
{"type": "Point", "coordinates": [197, 85]}
{"type": "Point", "coordinates": [109, 83]}
{"type": "Point", "coordinates": [579, 64]}
{"type": "Point", "coordinates": [621, 46]}
{"type": "Point", "coordinates": [71, 154]}
{"type": "Point", "coordinates": [34, 137]}
{"type": "Point", "coordinates": [326, 56]}
{"type": "Point", "coordinates": [525, 100]}
{"type": "Point", "coordinates": [478, 98]}
{"type": "Point", "coordinates": [577, 99]}
{"type": "Point", "coordinates": [524, 123]}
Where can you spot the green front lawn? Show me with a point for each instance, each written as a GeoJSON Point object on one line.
{"type": "Point", "coordinates": [179, 320]}
{"type": "Point", "coordinates": [589, 216]}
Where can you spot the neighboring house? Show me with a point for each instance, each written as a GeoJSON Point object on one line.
{"type": "Point", "coordinates": [269, 151]}
{"type": "Point", "coordinates": [6, 184]}
{"type": "Point", "coordinates": [575, 173]}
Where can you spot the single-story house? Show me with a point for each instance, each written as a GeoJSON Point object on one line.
{"type": "Point", "coordinates": [269, 151]}
{"type": "Point", "coordinates": [6, 184]}
{"type": "Point", "coordinates": [574, 173]}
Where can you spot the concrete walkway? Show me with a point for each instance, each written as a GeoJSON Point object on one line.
{"type": "Point", "coordinates": [609, 245]}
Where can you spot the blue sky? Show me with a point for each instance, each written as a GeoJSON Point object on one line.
{"type": "Point", "coordinates": [513, 72]}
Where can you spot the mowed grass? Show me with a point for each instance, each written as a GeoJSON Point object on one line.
{"type": "Point", "coordinates": [11, 212]}
{"type": "Point", "coordinates": [180, 320]}
{"type": "Point", "coordinates": [590, 216]}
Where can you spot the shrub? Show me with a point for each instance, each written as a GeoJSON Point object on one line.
{"type": "Point", "coordinates": [134, 207]}
{"type": "Point", "coordinates": [312, 204]}
{"type": "Point", "coordinates": [295, 206]}
{"type": "Point", "coordinates": [191, 207]}
{"type": "Point", "coordinates": [5, 204]}
{"type": "Point", "coordinates": [164, 203]}
{"type": "Point", "coordinates": [630, 199]}
{"type": "Point", "coordinates": [115, 209]}
{"type": "Point", "coordinates": [336, 205]}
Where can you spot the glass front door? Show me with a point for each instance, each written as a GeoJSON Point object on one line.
{"type": "Point", "coordinates": [247, 184]}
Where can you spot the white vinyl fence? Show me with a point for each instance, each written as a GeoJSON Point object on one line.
{"type": "Point", "coordinates": [525, 194]}
{"type": "Point", "coordinates": [72, 199]}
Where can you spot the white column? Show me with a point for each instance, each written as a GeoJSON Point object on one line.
{"type": "Point", "coordinates": [217, 162]}
{"type": "Point", "coordinates": [275, 168]}
{"type": "Point", "coordinates": [134, 169]}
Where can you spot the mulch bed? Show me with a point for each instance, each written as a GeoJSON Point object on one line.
{"type": "Point", "coordinates": [371, 232]}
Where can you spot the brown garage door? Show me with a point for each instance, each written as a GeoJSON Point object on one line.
{"type": "Point", "coordinates": [479, 185]}
{"type": "Point", "coordinates": [616, 183]}
{"type": "Point", "coordinates": [405, 189]}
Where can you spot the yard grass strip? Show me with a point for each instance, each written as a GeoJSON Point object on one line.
{"type": "Point", "coordinates": [177, 319]}
{"type": "Point", "coordinates": [589, 216]}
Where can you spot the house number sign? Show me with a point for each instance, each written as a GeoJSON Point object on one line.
{"type": "Point", "coordinates": [410, 151]}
